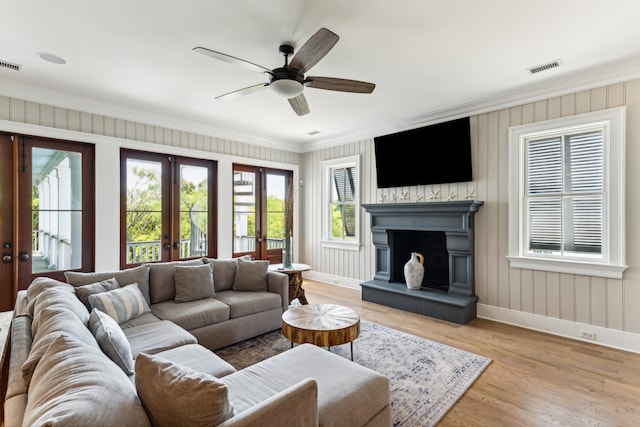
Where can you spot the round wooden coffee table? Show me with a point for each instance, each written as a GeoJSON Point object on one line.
{"type": "Point", "coordinates": [321, 324]}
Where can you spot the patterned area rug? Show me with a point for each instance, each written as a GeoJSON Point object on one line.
{"type": "Point", "coordinates": [426, 378]}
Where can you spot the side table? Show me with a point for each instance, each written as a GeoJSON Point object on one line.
{"type": "Point", "coordinates": [295, 280]}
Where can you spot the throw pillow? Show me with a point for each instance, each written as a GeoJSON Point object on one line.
{"type": "Point", "coordinates": [251, 276]}
{"type": "Point", "coordinates": [121, 304]}
{"type": "Point", "coordinates": [176, 395]}
{"type": "Point", "coordinates": [194, 283]}
{"type": "Point", "coordinates": [224, 273]}
{"type": "Point", "coordinates": [111, 339]}
{"type": "Point", "coordinates": [162, 279]}
{"type": "Point", "coordinates": [83, 292]}
{"type": "Point", "coordinates": [77, 385]}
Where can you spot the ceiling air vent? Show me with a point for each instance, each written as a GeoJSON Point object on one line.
{"type": "Point", "coordinates": [544, 67]}
{"type": "Point", "coordinates": [9, 65]}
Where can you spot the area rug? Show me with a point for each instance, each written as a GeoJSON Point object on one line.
{"type": "Point", "coordinates": [426, 378]}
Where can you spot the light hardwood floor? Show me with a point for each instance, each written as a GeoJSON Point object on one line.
{"type": "Point", "coordinates": [535, 379]}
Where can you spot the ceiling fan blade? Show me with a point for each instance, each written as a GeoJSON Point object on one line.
{"type": "Point", "coordinates": [342, 85]}
{"type": "Point", "coordinates": [314, 50]}
{"type": "Point", "coordinates": [299, 105]}
{"type": "Point", "coordinates": [231, 59]}
{"type": "Point", "coordinates": [242, 92]}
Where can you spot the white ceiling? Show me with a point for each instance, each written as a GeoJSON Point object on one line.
{"type": "Point", "coordinates": [430, 59]}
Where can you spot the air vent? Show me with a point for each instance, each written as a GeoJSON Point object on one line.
{"type": "Point", "coordinates": [544, 67]}
{"type": "Point", "coordinates": [9, 65]}
{"type": "Point", "coordinates": [313, 132]}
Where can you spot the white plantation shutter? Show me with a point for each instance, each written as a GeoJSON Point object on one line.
{"type": "Point", "coordinates": [565, 193]}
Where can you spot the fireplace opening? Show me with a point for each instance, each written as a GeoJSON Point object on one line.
{"type": "Point", "coordinates": [433, 247]}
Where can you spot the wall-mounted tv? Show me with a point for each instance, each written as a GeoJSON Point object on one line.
{"type": "Point", "coordinates": [435, 154]}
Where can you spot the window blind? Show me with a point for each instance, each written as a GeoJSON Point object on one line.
{"type": "Point", "coordinates": [564, 192]}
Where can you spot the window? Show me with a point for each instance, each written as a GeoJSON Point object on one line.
{"type": "Point", "coordinates": [341, 217]}
{"type": "Point", "coordinates": [168, 206]}
{"type": "Point", "coordinates": [566, 198]}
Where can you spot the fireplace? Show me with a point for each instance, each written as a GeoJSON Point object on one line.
{"type": "Point", "coordinates": [443, 232]}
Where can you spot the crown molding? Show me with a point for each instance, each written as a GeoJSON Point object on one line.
{"type": "Point", "coordinates": [617, 72]}
{"type": "Point", "coordinates": [611, 73]}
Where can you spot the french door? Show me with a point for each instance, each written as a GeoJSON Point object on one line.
{"type": "Point", "coordinates": [168, 206]}
{"type": "Point", "coordinates": [46, 210]}
{"type": "Point", "coordinates": [262, 211]}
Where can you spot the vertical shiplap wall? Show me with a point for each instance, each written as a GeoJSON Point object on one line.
{"type": "Point", "coordinates": [607, 303]}
{"type": "Point", "coordinates": [21, 111]}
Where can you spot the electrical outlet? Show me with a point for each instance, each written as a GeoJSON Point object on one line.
{"type": "Point", "coordinates": [588, 335]}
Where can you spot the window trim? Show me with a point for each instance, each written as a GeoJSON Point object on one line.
{"type": "Point", "coordinates": [613, 263]}
{"type": "Point", "coordinates": [327, 166]}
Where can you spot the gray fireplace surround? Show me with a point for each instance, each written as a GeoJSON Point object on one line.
{"type": "Point", "coordinates": [448, 290]}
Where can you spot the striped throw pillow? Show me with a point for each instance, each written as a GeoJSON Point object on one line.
{"type": "Point", "coordinates": [121, 304]}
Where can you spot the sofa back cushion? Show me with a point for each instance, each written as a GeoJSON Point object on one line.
{"type": "Point", "coordinates": [77, 385]}
{"type": "Point", "coordinates": [177, 396]}
{"type": "Point", "coordinates": [194, 282]}
{"type": "Point", "coordinates": [121, 304]}
{"type": "Point", "coordinates": [139, 275]}
{"type": "Point", "coordinates": [48, 324]}
{"type": "Point", "coordinates": [162, 279]}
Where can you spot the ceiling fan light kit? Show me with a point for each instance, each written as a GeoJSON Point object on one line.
{"type": "Point", "coordinates": [287, 88]}
{"type": "Point", "coordinates": [289, 81]}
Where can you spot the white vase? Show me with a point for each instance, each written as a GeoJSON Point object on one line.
{"type": "Point", "coordinates": [414, 271]}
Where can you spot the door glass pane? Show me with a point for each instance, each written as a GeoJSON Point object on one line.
{"type": "Point", "coordinates": [276, 191]}
{"type": "Point", "coordinates": [56, 210]}
{"type": "Point", "coordinates": [244, 211]}
{"type": "Point", "coordinates": [194, 210]}
{"type": "Point", "coordinates": [144, 211]}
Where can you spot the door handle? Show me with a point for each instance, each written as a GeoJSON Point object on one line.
{"type": "Point", "coordinates": [7, 259]}
{"type": "Point", "coordinates": [166, 246]}
{"type": "Point", "coordinates": [24, 256]}
{"type": "Point", "coordinates": [176, 245]}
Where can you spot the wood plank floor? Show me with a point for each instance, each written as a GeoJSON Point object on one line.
{"type": "Point", "coordinates": [535, 379]}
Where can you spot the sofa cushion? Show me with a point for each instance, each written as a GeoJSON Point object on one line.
{"type": "Point", "coordinates": [162, 279]}
{"type": "Point", "coordinates": [176, 396]}
{"type": "Point", "coordinates": [139, 275]}
{"type": "Point", "coordinates": [193, 314]}
{"type": "Point", "coordinates": [193, 282]}
{"type": "Point", "coordinates": [198, 358]}
{"type": "Point", "coordinates": [140, 320]}
{"type": "Point", "coordinates": [346, 390]}
{"type": "Point", "coordinates": [111, 339]}
{"type": "Point", "coordinates": [46, 292]}
{"type": "Point", "coordinates": [245, 303]}
{"type": "Point", "coordinates": [251, 276]}
{"type": "Point", "coordinates": [121, 304]}
{"type": "Point", "coordinates": [21, 340]}
{"type": "Point", "coordinates": [77, 385]}
{"type": "Point", "coordinates": [53, 322]}
{"type": "Point", "coordinates": [224, 272]}
{"type": "Point", "coordinates": [83, 292]}
{"type": "Point", "coordinates": [155, 337]}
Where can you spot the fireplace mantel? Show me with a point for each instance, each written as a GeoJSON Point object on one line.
{"type": "Point", "coordinates": [455, 220]}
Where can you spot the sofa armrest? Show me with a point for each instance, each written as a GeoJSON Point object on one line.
{"type": "Point", "coordinates": [279, 283]}
{"type": "Point", "coordinates": [293, 406]}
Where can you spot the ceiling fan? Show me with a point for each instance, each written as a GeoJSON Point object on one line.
{"type": "Point", "coordinates": [289, 80]}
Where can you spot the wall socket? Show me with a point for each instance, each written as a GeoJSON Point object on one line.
{"type": "Point", "coordinates": [588, 335]}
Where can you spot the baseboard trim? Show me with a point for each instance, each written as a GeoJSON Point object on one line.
{"type": "Point", "coordinates": [331, 279]}
{"type": "Point", "coordinates": [606, 337]}
{"type": "Point", "coordinates": [603, 336]}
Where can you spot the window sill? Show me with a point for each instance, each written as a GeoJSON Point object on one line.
{"type": "Point", "coordinates": [334, 244]}
{"type": "Point", "coordinates": [610, 271]}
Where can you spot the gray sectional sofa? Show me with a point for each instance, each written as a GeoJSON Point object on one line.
{"type": "Point", "coordinates": [135, 347]}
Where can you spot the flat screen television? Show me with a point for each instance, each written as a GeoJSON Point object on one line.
{"type": "Point", "coordinates": [435, 154]}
